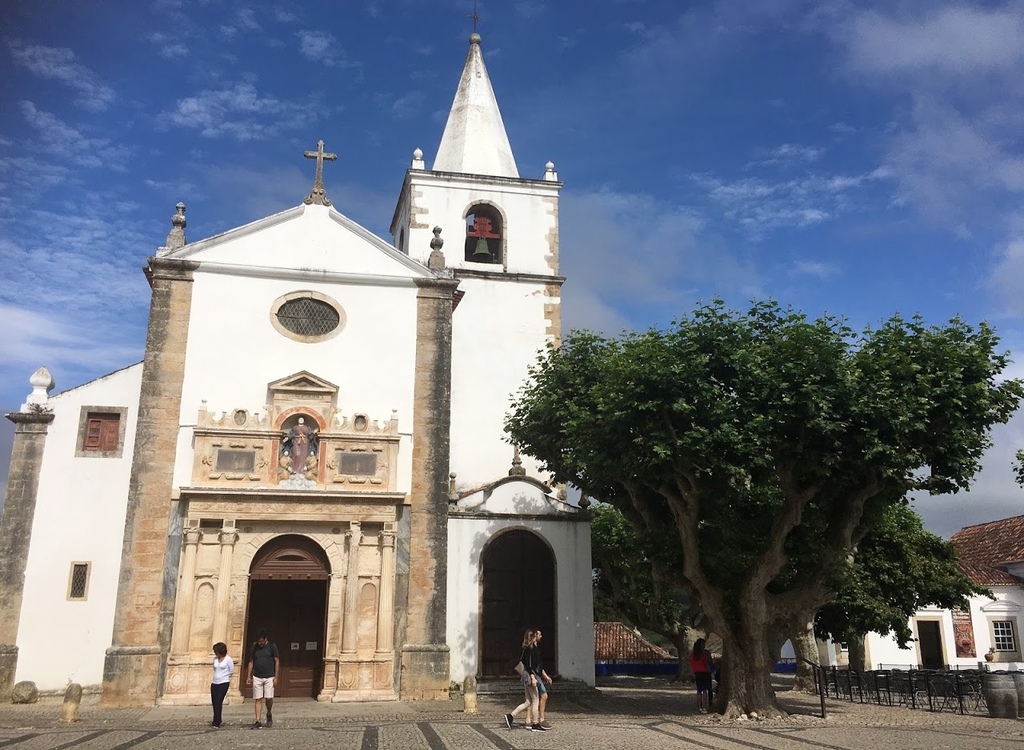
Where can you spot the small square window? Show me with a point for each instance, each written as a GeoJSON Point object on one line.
{"type": "Point", "coordinates": [78, 581]}
{"type": "Point", "coordinates": [1002, 635]}
{"type": "Point", "coordinates": [101, 432]}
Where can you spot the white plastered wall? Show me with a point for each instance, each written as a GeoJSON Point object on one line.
{"type": "Point", "coordinates": [234, 351]}
{"type": "Point", "coordinates": [569, 540]}
{"type": "Point", "coordinates": [1008, 605]}
{"type": "Point", "coordinates": [79, 517]}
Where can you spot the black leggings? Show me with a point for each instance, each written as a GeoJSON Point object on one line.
{"type": "Point", "coordinates": [217, 694]}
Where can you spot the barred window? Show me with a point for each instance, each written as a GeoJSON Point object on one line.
{"type": "Point", "coordinates": [1002, 635]}
{"type": "Point", "coordinates": [78, 581]}
{"type": "Point", "coordinates": [307, 316]}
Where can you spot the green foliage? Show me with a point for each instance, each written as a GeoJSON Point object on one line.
{"type": "Point", "coordinates": [1018, 467]}
{"type": "Point", "coordinates": [767, 442]}
{"type": "Point", "coordinates": [898, 568]}
{"type": "Point", "coordinates": [630, 584]}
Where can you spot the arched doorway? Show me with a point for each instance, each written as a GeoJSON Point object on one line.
{"type": "Point", "coordinates": [518, 593]}
{"type": "Point", "coordinates": [288, 583]}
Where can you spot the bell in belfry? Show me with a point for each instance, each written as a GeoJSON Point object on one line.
{"type": "Point", "coordinates": [482, 253]}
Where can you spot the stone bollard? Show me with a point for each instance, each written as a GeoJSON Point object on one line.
{"type": "Point", "coordinates": [469, 695]}
{"type": "Point", "coordinates": [72, 699]}
{"type": "Point", "coordinates": [25, 692]}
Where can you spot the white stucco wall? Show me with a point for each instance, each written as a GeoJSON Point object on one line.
{"type": "Point", "coordinates": [79, 517]}
{"type": "Point", "coordinates": [497, 331]}
{"type": "Point", "coordinates": [570, 543]}
{"type": "Point", "coordinates": [1008, 605]}
{"type": "Point", "coordinates": [234, 351]}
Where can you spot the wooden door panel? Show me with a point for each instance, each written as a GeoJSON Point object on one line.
{"type": "Point", "coordinates": [518, 593]}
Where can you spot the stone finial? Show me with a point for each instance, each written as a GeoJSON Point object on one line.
{"type": "Point", "coordinates": [517, 469]}
{"type": "Point", "coordinates": [42, 383]}
{"type": "Point", "coordinates": [550, 175]}
{"type": "Point", "coordinates": [453, 493]}
{"type": "Point", "coordinates": [584, 501]}
{"type": "Point", "coordinates": [176, 237]}
{"type": "Point", "coordinates": [436, 260]}
{"type": "Point", "coordinates": [417, 160]}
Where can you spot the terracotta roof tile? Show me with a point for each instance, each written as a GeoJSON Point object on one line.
{"type": "Point", "coordinates": [615, 642]}
{"type": "Point", "coordinates": [986, 548]}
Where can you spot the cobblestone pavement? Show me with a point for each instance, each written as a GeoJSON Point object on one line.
{"type": "Point", "coordinates": [627, 715]}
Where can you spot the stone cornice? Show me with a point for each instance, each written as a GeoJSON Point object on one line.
{"type": "Point", "coordinates": [171, 269]}
{"type": "Point", "coordinates": [30, 417]}
{"type": "Point", "coordinates": [524, 278]}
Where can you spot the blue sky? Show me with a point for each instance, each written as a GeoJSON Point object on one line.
{"type": "Point", "coordinates": [858, 158]}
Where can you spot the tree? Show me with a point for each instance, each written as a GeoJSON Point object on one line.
{"type": "Point", "coordinates": [898, 568]}
{"type": "Point", "coordinates": [632, 576]}
{"type": "Point", "coordinates": [770, 443]}
{"type": "Point", "coordinates": [1018, 466]}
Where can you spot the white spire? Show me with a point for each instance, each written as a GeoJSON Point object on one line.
{"type": "Point", "coordinates": [474, 140]}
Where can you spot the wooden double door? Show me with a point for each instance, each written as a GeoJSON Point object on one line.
{"type": "Point", "coordinates": [518, 593]}
{"type": "Point", "coordinates": [288, 584]}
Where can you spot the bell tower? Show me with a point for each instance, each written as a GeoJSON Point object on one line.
{"type": "Point", "coordinates": [501, 242]}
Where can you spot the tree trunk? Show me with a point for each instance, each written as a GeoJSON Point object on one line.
{"type": "Point", "coordinates": [683, 641]}
{"type": "Point", "coordinates": [746, 686]}
{"type": "Point", "coordinates": [856, 653]}
{"type": "Point", "coordinates": [805, 645]}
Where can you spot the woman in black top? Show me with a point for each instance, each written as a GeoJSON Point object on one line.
{"type": "Point", "coordinates": [530, 677]}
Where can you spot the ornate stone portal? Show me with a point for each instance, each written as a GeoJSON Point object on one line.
{"type": "Point", "coordinates": [345, 502]}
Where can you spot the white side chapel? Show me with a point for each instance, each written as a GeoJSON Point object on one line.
{"type": "Point", "coordinates": [341, 478]}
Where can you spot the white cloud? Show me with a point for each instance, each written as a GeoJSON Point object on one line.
{"type": "Point", "coordinates": [813, 268]}
{"type": "Point", "coordinates": [239, 112]}
{"type": "Point", "coordinates": [60, 138]}
{"type": "Point", "coordinates": [323, 48]}
{"type": "Point", "coordinates": [59, 63]}
{"type": "Point", "coordinates": [1007, 278]}
{"type": "Point", "coordinates": [168, 47]}
{"type": "Point", "coordinates": [530, 8]}
{"type": "Point", "coordinates": [629, 250]}
{"type": "Point", "coordinates": [954, 39]}
{"type": "Point", "coordinates": [761, 205]}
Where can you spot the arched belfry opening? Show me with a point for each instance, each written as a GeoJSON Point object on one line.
{"type": "Point", "coordinates": [484, 235]}
{"type": "Point", "coordinates": [518, 573]}
{"type": "Point", "coordinates": [288, 582]}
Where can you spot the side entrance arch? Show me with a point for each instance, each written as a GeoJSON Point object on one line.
{"type": "Point", "coordinates": [288, 584]}
{"type": "Point", "coordinates": [519, 577]}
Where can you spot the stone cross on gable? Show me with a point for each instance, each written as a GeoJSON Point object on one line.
{"type": "Point", "coordinates": [318, 195]}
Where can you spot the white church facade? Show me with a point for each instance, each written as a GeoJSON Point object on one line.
{"type": "Point", "coordinates": [313, 444]}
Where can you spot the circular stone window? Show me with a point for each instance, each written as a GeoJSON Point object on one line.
{"type": "Point", "coordinates": [307, 316]}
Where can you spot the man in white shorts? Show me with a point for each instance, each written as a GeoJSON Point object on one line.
{"type": "Point", "coordinates": [264, 663]}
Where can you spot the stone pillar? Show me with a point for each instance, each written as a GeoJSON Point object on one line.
{"type": "Point", "coordinates": [349, 629]}
{"type": "Point", "coordinates": [134, 665]}
{"type": "Point", "coordinates": [228, 537]}
{"type": "Point", "coordinates": [16, 531]}
{"type": "Point", "coordinates": [386, 595]}
{"type": "Point", "coordinates": [186, 595]}
{"type": "Point", "coordinates": [425, 667]}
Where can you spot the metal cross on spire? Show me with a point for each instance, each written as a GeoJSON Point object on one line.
{"type": "Point", "coordinates": [318, 195]}
{"type": "Point", "coordinates": [475, 17]}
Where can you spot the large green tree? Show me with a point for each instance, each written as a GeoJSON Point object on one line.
{"type": "Point", "coordinates": [898, 568]}
{"type": "Point", "coordinates": [771, 443]}
{"type": "Point", "coordinates": [634, 572]}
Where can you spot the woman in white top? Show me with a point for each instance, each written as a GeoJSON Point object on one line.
{"type": "Point", "coordinates": [223, 668]}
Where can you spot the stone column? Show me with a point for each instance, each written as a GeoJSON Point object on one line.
{"type": "Point", "coordinates": [228, 537]}
{"type": "Point", "coordinates": [386, 595]}
{"type": "Point", "coordinates": [16, 531]}
{"type": "Point", "coordinates": [348, 638]}
{"type": "Point", "coordinates": [186, 595]}
{"type": "Point", "coordinates": [134, 666]}
{"type": "Point", "coordinates": [425, 667]}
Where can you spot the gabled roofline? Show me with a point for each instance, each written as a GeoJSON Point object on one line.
{"type": "Point", "coordinates": [232, 234]}
{"type": "Point", "coordinates": [98, 378]}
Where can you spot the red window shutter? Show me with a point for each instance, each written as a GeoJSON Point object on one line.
{"type": "Point", "coordinates": [109, 433]}
{"type": "Point", "coordinates": [93, 431]}
{"type": "Point", "coordinates": [102, 432]}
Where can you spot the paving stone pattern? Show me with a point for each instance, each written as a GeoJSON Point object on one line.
{"type": "Point", "coordinates": [628, 715]}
